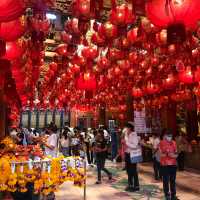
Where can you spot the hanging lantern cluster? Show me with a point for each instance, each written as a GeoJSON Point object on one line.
{"type": "Point", "coordinates": [98, 62]}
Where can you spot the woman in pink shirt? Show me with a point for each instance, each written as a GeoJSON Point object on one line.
{"type": "Point", "coordinates": [168, 156]}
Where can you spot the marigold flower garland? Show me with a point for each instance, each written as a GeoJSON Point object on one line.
{"type": "Point", "coordinates": [46, 178]}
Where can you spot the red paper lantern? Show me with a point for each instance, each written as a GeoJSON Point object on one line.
{"type": "Point", "coordinates": [96, 39]}
{"type": "Point", "coordinates": [81, 8]}
{"type": "Point", "coordinates": [76, 27]}
{"type": "Point", "coordinates": [61, 49]}
{"type": "Point", "coordinates": [132, 35]}
{"type": "Point", "coordinates": [90, 52]}
{"type": "Point", "coordinates": [152, 88]}
{"type": "Point", "coordinates": [14, 49]}
{"type": "Point", "coordinates": [103, 62]}
{"type": "Point", "coordinates": [197, 74]}
{"type": "Point", "coordinates": [122, 15]}
{"type": "Point", "coordinates": [53, 66]}
{"type": "Point", "coordinates": [122, 108]}
{"type": "Point", "coordinates": [124, 64]}
{"type": "Point", "coordinates": [137, 92]}
{"type": "Point", "coordinates": [117, 71]}
{"type": "Point", "coordinates": [13, 30]}
{"type": "Point", "coordinates": [87, 82]}
{"type": "Point", "coordinates": [75, 68]}
{"type": "Point", "coordinates": [41, 25]}
{"type": "Point", "coordinates": [121, 116]}
{"type": "Point", "coordinates": [186, 76]}
{"type": "Point", "coordinates": [115, 54]}
{"type": "Point", "coordinates": [65, 37]}
{"type": "Point", "coordinates": [11, 9]}
{"type": "Point", "coordinates": [133, 56]}
{"type": "Point", "coordinates": [108, 30]}
{"type": "Point", "coordinates": [169, 82]}
{"type": "Point", "coordinates": [163, 13]}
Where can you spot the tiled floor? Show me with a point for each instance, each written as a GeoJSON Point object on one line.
{"type": "Point", "coordinates": [150, 190]}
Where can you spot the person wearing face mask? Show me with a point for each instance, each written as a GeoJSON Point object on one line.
{"type": "Point", "coordinates": [132, 146]}
{"type": "Point", "coordinates": [168, 156]}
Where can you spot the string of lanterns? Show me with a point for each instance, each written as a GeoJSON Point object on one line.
{"type": "Point", "coordinates": [155, 57]}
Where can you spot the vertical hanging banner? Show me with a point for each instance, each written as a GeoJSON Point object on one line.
{"type": "Point", "coordinates": [140, 121]}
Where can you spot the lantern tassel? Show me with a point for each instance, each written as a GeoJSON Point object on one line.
{"type": "Point", "coordinates": [167, 7]}
{"type": "Point", "coordinates": [113, 3]}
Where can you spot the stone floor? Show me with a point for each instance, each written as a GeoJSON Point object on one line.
{"type": "Point", "coordinates": [150, 190]}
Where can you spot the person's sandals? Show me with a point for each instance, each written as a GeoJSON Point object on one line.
{"type": "Point", "coordinates": [98, 182]}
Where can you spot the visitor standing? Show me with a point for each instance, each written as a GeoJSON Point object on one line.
{"type": "Point", "coordinates": [65, 143]}
{"type": "Point", "coordinates": [88, 147]}
{"type": "Point", "coordinates": [168, 155]}
{"type": "Point", "coordinates": [156, 156]}
{"type": "Point", "coordinates": [132, 152]}
{"type": "Point", "coordinates": [50, 143]}
{"type": "Point", "coordinates": [100, 148]}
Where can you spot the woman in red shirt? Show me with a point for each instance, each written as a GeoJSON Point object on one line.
{"type": "Point", "coordinates": [168, 155]}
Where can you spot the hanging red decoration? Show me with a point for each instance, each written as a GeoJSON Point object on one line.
{"type": "Point", "coordinates": [163, 13]}
{"type": "Point", "coordinates": [108, 30]}
{"type": "Point", "coordinates": [76, 27]}
{"type": "Point", "coordinates": [122, 108]}
{"type": "Point", "coordinates": [169, 82]}
{"type": "Point", "coordinates": [53, 66]}
{"type": "Point", "coordinates": [81, 9]}
{"type": "Point", "coordinates": [15, 49]}
{"type": "Point", "coordinates": [115, 54]}
{"type": "Point", "coordinates": [65, 37]}
{"type": "Point", "coordinates": [152, 88]}
{"type": "Point", "coordinates": [197, 74]}
{"type": "Point", "coordinates": [186, 76]}
{"type": "Point", "coordinates": [121, 116]}
{"type": "Point", "coordinates": [124, 64]}
{"type": "Point", "coordinates": [137, 92]}
{"type": "Point", "coordinates": [11, 9]}
{"type": "Point", "coordinates": [75, 68]}
{"type": "Point", "coordinates": [90, 52]}
{"type": "Point", "coordinates": [61, 49]}
{"type": "Point", "coordinates": [86, 81]}
{"type": "Point", "coordinates": [122, 15]}
{"type": "Point", "coordinates": [132, 35]}
{"type": "Point", "coordinates": [40, 24]}
{"type": "Point", "coordinates": [133, 56]}
{"type": "Point", "coordinates": [13, 30]}
{"type": "Point", "coordinates": [96, 39]}
{"type": "Point", "coordinates": [103, 63]}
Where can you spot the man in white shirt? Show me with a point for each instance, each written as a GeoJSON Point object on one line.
{"type": "Point", "coordinates": [132, 146]}
{"type": "Point", "coordinates": [51, 143]}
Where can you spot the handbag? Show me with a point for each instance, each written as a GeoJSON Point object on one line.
{"type": "Point", "coordinates": [136, 156]}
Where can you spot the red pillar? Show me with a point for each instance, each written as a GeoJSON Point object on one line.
{"type": "Point", "coordinates": [168, 115]}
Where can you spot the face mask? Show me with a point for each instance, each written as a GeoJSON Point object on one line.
{"type": "Point", "coordinates": [169, 138]}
